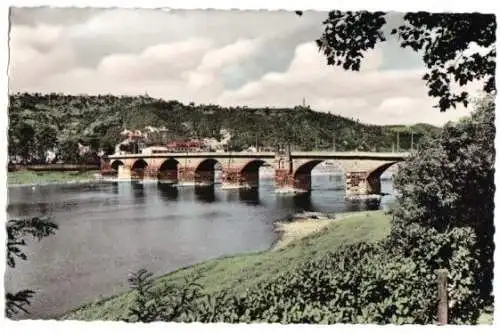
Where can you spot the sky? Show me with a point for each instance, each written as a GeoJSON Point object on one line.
{"type": "Point", "coordinates": [230, 58]}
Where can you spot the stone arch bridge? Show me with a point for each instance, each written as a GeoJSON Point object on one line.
{"type": "Point", "coordinates": [241, 169]}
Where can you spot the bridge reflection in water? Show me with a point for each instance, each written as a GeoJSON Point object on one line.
{"type": "Point", "coordinates": [249, 196]}
{"type": "Point", "coordinates": [205, 194]}
{"type": "Point", "coordinates": [167, 192]}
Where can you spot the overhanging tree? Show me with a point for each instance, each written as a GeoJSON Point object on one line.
{"type": "Point", "coordinates": [17, 232]}
{"type": "Point", "coordinates": [444, 40]}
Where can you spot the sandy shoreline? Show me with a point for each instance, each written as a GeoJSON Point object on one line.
{"type": "Point", "coordinates": [290, 231]}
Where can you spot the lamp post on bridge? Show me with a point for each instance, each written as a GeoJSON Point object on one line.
{"type": "Point", "coordinates": [397, 141]}
{"type": "Point", "coordinates": [411, 147]}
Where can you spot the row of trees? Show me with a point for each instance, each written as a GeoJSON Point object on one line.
{"type": "Point", "coordinates": [34, 143]}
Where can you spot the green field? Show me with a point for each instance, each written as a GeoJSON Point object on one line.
{"type": "Point", "coordinates": [237, 273]}
{"type": "Point", "coordinates": [26, 177]}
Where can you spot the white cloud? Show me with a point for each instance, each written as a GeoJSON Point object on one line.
{"type": "Point", "coordinates": [207, 74]}
{"type": "Point", "coordinates": [41, 35]}
{"type": "Point", "coordinates": [189, 56]}
{"type": "Point", "coordinates": [374, 96]}
{"type": "Point", "coordinates": [155, 62]}
{"type": "Point", "coordinates": [35, 53]}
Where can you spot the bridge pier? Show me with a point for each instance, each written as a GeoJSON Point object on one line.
{"type": "Point", "coordinates": [204, 177]}
{"type": "Point", "coordinates": [150, 173]}
{"type": "Point", "coordinates": [186, 176]}
{"type": "Point", "coordinates": [361, 184]}
{"type": "Point", "coordinates": [124, 172]}
{"type": "Point", "coordinates": [233, 178]}
{"type": "Point", "coordinates": [168, 176]}
{"type": "Point", "coordinates": [286, 182]}
{"type": "Point", "coordinates": [230, 178]}
{"type": "Point", "coordinates": [190, 176]}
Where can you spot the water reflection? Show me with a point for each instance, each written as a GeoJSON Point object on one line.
{"type": "Point", "coordinates": [138, 192]}
{"type": "Point", "coordinates": [167, 192]}
{"type": "Point", "coordinates": [205, 194]}
{"type": "Point", "coordinates": [363, 205]}
{"type": "Point", "coordinates": [304, 202]}
{"type": "Point", "coordinates": [249, 196]}
{"type": "Point", "coordinates": [297, 202]}
{"type": "Point", "coordinates": [231, 195]}
{"type": "Point", "coordinates": [115, 188]}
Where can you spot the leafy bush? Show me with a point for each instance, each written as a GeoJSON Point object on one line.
{"type": "Point", "coordinates": [449, 184]}
{"type": "Point", "coordinates": [361, 283]}
{"type": "Point", "coordinates": [161, 303]}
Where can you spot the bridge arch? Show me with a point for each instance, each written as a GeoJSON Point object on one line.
{"type": "Point", "coordinates": [373, 177]}
{"type": "Point", "coordinates": [377, 172]}
{"type": "Point", "coordinates": [138, 169]}
{"type": "Point", "coordinates": [306, 168]}
{"type": "Point", "coordinates": [205, 172]}
{"type": "Point", "coordinates": [168, 171]}
{"type": "Point", "coordinates": [116, 164]}
{"type": "Point", "coordinates": [302, 175]}
{"type": "Point", "coordinates": [252, 166]}
{"type": "Point", "coordinates": [248, 175]}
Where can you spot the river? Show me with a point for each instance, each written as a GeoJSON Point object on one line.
{"type": "Point", "coordinates": [107, 230]}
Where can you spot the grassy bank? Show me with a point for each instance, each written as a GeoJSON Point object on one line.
{"type": "Point", "coordinates": [238, 273]}
{"type": "Point", "coordinates": [27, 177]}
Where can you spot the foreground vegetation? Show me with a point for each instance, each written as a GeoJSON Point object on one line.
{"type": "Point", "coordinates": [26, 177]}
{"type": "Point", "coordinates": [237, 274]}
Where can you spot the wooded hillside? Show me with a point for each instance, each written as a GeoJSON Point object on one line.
{"type": "Point", "coordinates": [58, 122]}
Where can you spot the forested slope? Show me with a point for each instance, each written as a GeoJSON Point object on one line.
{"type": "Point", "coordinates": [41, 122]}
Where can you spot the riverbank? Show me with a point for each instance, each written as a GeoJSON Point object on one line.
{"type": "Point", "coordinates": [310, 223]}
{"type": "Point", "coordinates": [34, 178]}
{"type": "Point", "coordinates": [235, 274]}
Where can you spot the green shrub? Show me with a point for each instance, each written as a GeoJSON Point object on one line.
{"type": "Point", "coordinates": [448, 184]}
{"type": "Point", "coordinates": [363, 283]}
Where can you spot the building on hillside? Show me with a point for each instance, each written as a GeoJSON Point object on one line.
{"type": "Point", "coordinates": [128, 146]}
{"type": "Point", "coordinates": [177, 146]}
{"type": "Point", "coordinates": [50, 157]}
{"type": "Point", "coordinates": [155, 150]}
{"type": "Point", "coordinates": [251, 149]}
{"type": "Point", "coordinates": [135, 135]}
{"type": "Point", "coordinates": [186, 146]}
{"type": "Point", "coordinates": [83, 149]}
